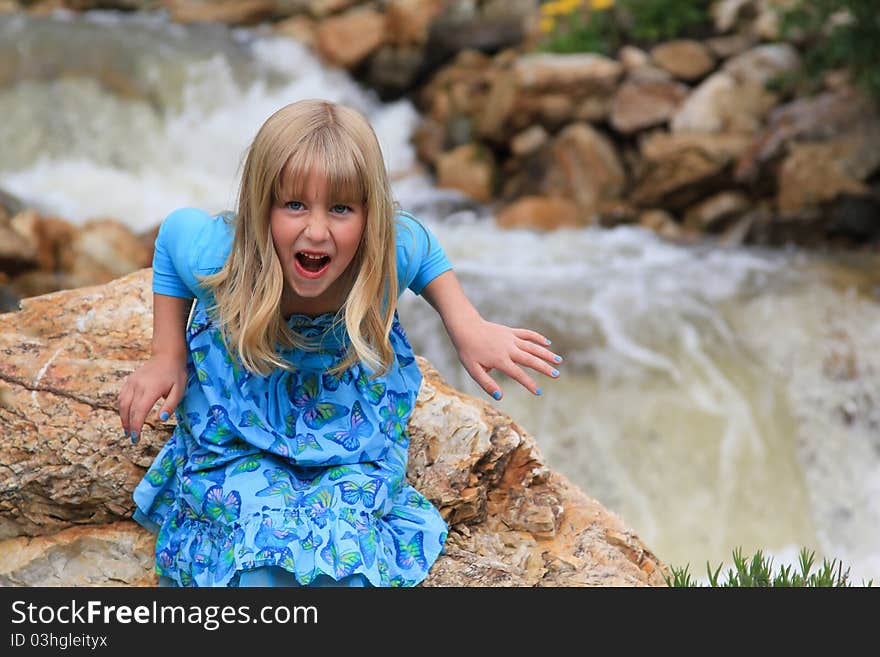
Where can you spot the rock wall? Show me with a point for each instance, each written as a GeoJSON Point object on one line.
{"type": "Point", "coordinates": [67, 472]}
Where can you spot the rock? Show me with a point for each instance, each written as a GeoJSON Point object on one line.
{"type": "Point", "coordinates": [721, 103]}
{"type": "Point", "coordinates": [9, 205]}
{"type": "Point", "coordinates": [684, 58]}
{"type": "Point", "coordinates": [68, 472]}
{"type": "Point", "coordinates": [323, 8]}
{"type": "Point", "coordinates": [17, 252]}
{"type": "Point", "coordinates": [469, 168]}
{"type": "Point", "coordinates": [633, 58]}
{"type": "Point", "coordinates": [116, 554]}
{"type": "Point", "coordinates": [300, 28]}
{"type": "Point", "coordinates": [394, 70]}
{"type": "Point", "coordinates": [728, 46]}
{"type": "Point", "coordinates": [407, 21]}
{"type": "Point", "coordinates": [766, 25]}
{"type": "Point", "coordinates": [236, 12]}
{"type": "Point", "coordinates": [715, 212]}
{"type": "Point", "coordinates": [761, 64]}
{"type": "Point", "coordinates": [662, 223]}
{"type": "Point", "coordinates": [578, 74]}
{"type": "Point", "coordinates": [817, 117]}
{"type": "Point", "coordinates": [429, 140]}
{"type": "Point", "coordinates": [347, 39]}
{"type": "Point", "coordinates": [678, 169]}
{"type": "Point", "coordinates": [540, 212]}
{"type": "Point", "coordinates": [726, 13]}
{"type": "Point", "coordinates": [102, 250]}
{"type": "Point", "coordinates": [615, 212]}
{"type": "Point", "coordinates": [584, 167]}
{"type": "Point", "coordinates": [449, 34]}
{"type": "Point", "coordinates": [529, 141]}
{"type": "Point", "coordinates": [813, 173]}
{"type": "Point", "coordinates": [640, 104]}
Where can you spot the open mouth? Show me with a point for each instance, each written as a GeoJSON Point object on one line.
{"type": "Point", "coordinates": [313, 263]}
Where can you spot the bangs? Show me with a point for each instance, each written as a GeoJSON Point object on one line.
{"type": "Point", "coordinates": [327, 154]}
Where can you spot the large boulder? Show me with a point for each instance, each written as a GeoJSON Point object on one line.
{"type": "Point", "coordinates": [67, 471]}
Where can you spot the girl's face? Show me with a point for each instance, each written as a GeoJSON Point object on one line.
{"type": "Point", "coordinates": [316, 238]}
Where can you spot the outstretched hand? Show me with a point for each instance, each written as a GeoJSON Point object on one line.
{"type": "Point", "coordinates": [157, 378]}
{"type": "Point", "coordinates": [484, 346]}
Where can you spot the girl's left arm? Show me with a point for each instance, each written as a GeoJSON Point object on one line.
{"type": "Point", "coordinates": [483, 346]}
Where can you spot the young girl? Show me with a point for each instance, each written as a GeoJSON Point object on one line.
{"type": "Point", "coordinates": [293, 380]}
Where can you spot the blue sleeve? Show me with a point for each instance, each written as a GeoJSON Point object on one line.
{"type": "Point", "coordinates": [181, 252]}
{"type": "Point", "coordinates": [420, 259]}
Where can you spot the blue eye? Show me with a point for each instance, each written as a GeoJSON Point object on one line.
{"type": "Point", "coordinates": [294, 205]}
{"type": "Point", "coordinates": [339, 208]}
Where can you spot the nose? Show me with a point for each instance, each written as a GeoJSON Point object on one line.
{"type": "Point", "coordinates": [318, 226]}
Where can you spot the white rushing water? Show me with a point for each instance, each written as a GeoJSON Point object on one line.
{"type": "Point", "coordinates": [712, 398]}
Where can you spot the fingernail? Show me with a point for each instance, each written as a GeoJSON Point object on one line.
{"type": "Point", "coordinates": [537, 391]}
{"type": "Point", "coordinates": [497, 394]}
{"type": "Point", "coordinates": [134, 437]}
{"type": "Point", "coordinates": [558, 359]}
{"type": "Point", "coordinates": [164, 416]}
{"type": "Point", "coordinates": [549, 341]}
{"type": "Point", "coordinates": [554, 373]}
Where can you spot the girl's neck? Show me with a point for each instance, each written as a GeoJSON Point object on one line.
{"type": "Point", "coordinates": [292, 304]}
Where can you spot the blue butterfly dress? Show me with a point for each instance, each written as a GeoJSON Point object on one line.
{"type": "Point", "coordinates": [300, 470]}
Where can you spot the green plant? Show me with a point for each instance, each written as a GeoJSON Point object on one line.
{"type": "Point", "coordinates": [757, 571]}
{"type": "Point", "coordinates": [605, 25]}
{"type": "Point", "coordinates": [837, 34]}
{"type": "Point", "coordinates": [651, 21]}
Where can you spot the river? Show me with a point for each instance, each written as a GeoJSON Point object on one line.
{"type": "Point", "coordinates": [711, 397]}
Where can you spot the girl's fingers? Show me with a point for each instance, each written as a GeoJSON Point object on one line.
{"type": "Point", "coordinates": [527, 359]}
{"type": "Point", "coordinates": [539, 351]}
{"type": "Point", "coordinates": [140, 408]}
{"type": "Point", "coordinates": [486, 382]}
{"type": "Point", "coordinates": [533, 336]}
{"type": "Point", "coordinates": [124, 406]}
{"type": "Point", "coordinates": [171, 402]}
{"type": "Point", "coordinates": [516, 373]}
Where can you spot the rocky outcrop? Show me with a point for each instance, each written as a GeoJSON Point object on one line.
{"type": "Point", "coordinates": [67, 471]}
{"type": "Point", "coordinates": [40, 254]}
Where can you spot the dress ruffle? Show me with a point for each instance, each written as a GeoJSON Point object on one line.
{"type": "Point", "coordinates": [299, 469]}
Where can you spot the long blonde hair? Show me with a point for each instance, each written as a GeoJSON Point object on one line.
{"type": "Point", "coordinates": [300, 138]}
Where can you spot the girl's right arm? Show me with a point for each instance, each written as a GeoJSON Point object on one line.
{"type": "Point", "coordinates": [164, 375]}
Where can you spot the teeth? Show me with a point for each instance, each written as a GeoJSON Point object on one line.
{"type": "Point", "coordinates": [311, 257]}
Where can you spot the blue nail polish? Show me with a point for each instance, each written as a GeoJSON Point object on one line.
{"type": "Point", "coordinates": [497, 394]}
{"type": "Point", "coordinates": [555, 373]}
{"type": "Point", "coordinates": [538, 391]}
{"type": "Point", "coordinates": [134, 438]}
{"type": "Point", "coordinates": [549, 341]}
{"type": "Point", "coordinates": [164, 416]}
{"type": "Point", "coordinates": [558, 359]}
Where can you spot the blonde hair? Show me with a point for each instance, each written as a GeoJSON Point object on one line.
{"type": "Point", "coordinates": [300, 138]}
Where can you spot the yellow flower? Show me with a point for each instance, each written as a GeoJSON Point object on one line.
{"type": "Point", "coordinates": [601, 4]}
{"type": "Point", "coordinates": [559, 7]}
{"type": "Point", "coordinates": [547, 24]}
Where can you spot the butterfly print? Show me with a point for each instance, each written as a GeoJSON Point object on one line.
{"type": "Point", "coordinates": [372, 391]}
{"type": "Point", "coordinates": [359, 428]}
{"type": "Point", "coordinates": [315, 414]}
{"type": "Point", "coordinates": [352, 493]}
{"type": "Point", "coordinates": [394, 416]}
{"type": "Point", "coordinates": [218, 507]}
{"type": "Point", "coordinates": [342, 564]}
